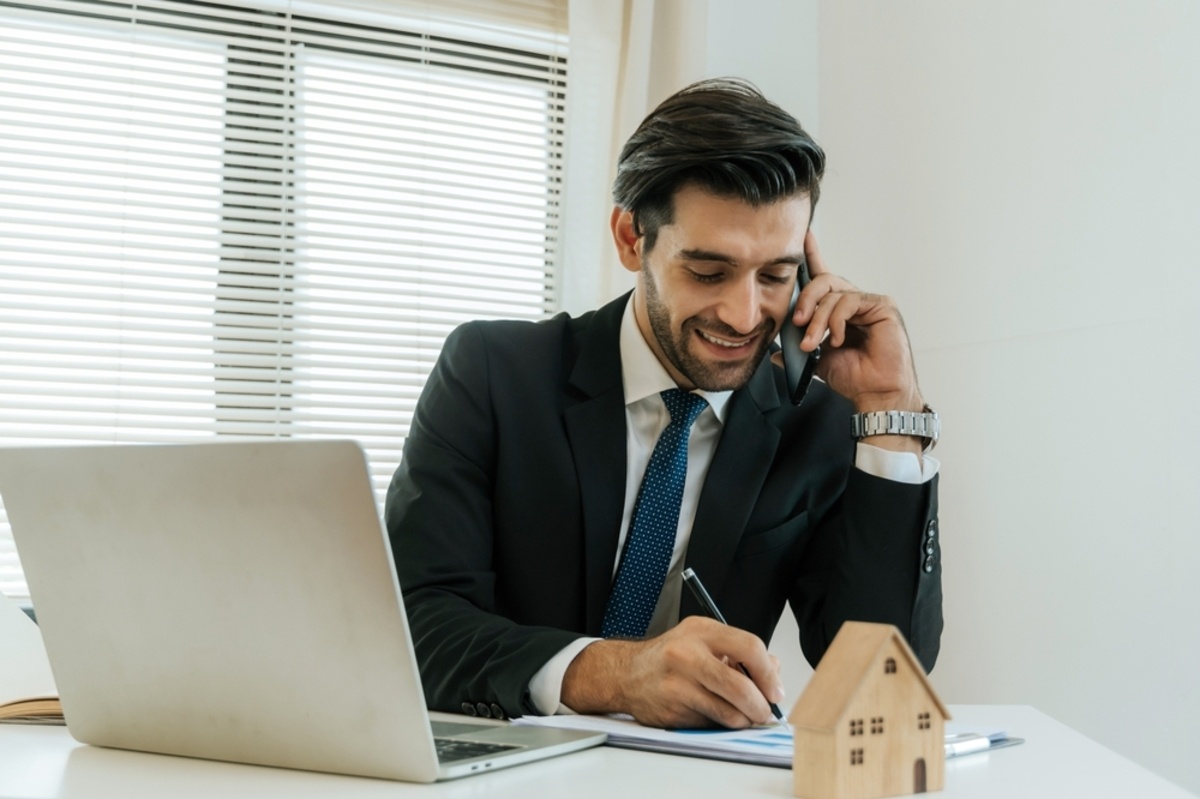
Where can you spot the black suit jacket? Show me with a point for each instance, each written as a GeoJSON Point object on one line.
{"type": "Point", "coordinates": [505, 512]}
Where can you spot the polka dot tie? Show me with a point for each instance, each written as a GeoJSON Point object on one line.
{"type": "Point", "coordinates": [652, 528]}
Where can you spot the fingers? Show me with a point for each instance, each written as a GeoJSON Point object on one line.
{"type": "Point", "coordinates": [812, 254]}
{"type": "Point", "coordinates": [687, 677]}
{"type": "Point", "coordinates": [759, 666]}
{"type": "Point", "coordinates": [869, 359]}
{"type": "Point", "coordinates": [710, 656]}
{"type": "Point", "coordinates": [837, 312]}
{"type": "Point", "coordinates": [730, 697]}
{"type": "Point", "coordinates": [832, 314]}
{"type": "Point", "coordinates": [823, 283]}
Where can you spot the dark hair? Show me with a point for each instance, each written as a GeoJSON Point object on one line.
{"type": "Point", "coordinates": [722, 135]}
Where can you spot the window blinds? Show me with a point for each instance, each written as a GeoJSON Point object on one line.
{"type": "Point", "coordinates": [263, 218]}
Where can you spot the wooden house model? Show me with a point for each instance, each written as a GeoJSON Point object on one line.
{"type": "Point", "coordinates": [868, 724]}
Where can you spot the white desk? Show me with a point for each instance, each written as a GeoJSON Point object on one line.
{"type": "Point", "coordinates": [1055, 762]}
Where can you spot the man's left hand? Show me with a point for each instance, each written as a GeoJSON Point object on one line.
{"type": "Point", "coordinates": [866, 357]}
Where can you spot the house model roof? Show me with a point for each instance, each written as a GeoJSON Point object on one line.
{"type": "Point", "coordinates": [857, 649]}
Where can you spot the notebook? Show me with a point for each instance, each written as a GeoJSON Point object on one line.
{"type": "Point", "coordinates": [238, 602]}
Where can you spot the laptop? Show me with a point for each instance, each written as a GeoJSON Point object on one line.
{"type": "Point", "coordinates": [237, 602]}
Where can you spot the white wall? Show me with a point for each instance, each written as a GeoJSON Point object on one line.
{"type": "Point", "coordinates": [669, 44]}
{"type": "Point", "coordinates": [1024, 177]}
{"type": "Point", "coordinates": [771, 42]}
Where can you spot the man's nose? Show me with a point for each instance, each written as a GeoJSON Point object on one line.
{"type": "Point", "coordinates": [742, 306]}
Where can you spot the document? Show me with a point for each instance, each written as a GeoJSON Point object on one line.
{"type": "Point", "coordinates": [769, 745]}
{"type": "Point", "coordinates": [27, 691]}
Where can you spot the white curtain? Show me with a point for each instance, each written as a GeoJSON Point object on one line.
{"type": "Point", "coordinates": [610, 72]}
{"type": "Point", "coordinates": [627, 56]}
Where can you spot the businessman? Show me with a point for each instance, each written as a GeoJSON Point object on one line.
{"type": "Point", "coordinates": [560, 475]}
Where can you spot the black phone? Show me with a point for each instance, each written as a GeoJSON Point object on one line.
{"type": "Point", "coordinates": [798, 365]}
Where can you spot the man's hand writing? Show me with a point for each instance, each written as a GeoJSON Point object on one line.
{"type": "Point", "coordinates": [686, 677]}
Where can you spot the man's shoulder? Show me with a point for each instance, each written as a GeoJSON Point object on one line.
{"type": "Point", "coordinates": [524, 331]}
{"type": "Point", "coordinates": [523, 338]}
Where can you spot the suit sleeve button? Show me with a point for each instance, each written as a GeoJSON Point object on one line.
{"type": "Point", "coordinates": [931, 529]}
{"type": "Point", "coordinates": [484, 710]}
{"type": "Point", "coordinates": [469, 709]}
{"type": "Point", "coordinates": [497, 711]}
{"type": "Point", "coordinates": [928, 546]}
{"type": "Point", "coordinates": [928, 564]}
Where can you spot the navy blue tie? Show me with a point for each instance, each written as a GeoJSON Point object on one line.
{"type": "Point", "coordinates": [651, 537]}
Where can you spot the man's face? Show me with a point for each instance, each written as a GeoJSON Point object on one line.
{"type": "Point", "coordinates": [713, 292]}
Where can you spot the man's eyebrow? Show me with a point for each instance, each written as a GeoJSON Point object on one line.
{"type": "Point", "coordinates": [717, 257]}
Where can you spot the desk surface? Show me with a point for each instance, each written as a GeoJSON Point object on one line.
{"type": "Point", "coordinates": [1055, 761]}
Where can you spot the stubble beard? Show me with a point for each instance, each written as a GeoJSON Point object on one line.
{"type": "Point", "coordinates": [704, 375]}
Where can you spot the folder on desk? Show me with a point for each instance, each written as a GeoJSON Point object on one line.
{"type": "Point", "coordinates": [770, 745]}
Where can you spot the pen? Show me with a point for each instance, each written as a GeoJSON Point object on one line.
{"type": "Point", "coordinates": [701, 593]}
{"type": "Point", "coordinates": [966, 744]}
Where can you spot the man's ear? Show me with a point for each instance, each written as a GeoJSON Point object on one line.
{"type": "Point", "coordinates": [629, 248]}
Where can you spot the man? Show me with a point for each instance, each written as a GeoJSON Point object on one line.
{"type": "Point", "coordinates": [551, 490]}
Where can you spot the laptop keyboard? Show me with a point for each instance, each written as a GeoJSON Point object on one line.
{"type": "Point", "coordinates": [452, 749]}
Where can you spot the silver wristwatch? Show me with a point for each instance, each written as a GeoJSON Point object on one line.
{"type": "Point", "coordinates": [925, 424]}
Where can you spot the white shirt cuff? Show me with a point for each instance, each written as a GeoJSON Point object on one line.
{"type": "Point", "coordinates": [903, 467]}
{"type": "Point", "coordinates": [545, 688]}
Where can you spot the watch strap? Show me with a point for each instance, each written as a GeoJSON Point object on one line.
{"type": "Point", "coordinates": [923, 424]}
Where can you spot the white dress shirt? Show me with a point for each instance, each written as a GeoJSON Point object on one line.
{"type": "Point", "coordinates": [646, 416]}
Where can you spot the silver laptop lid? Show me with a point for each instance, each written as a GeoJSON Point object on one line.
{"type": "Point", "coordinates": [231, 601]}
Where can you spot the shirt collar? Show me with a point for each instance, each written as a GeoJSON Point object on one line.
{"type": "Point", "coordinates": [643, 374]}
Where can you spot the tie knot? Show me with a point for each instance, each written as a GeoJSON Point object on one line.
{"type": "Point", "coordinates": [683, 406]}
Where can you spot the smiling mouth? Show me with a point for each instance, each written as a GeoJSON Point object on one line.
{"type": "Point", "coordinates": [724, 342]}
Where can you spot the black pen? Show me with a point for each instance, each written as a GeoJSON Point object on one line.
{"type": "Point", "coordinates": [693, 582]}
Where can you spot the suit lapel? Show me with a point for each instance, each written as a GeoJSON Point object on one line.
{"type": "Point", "coordinates": [735, 477]}
{"type": "Point", "coordinates": [594, 417]}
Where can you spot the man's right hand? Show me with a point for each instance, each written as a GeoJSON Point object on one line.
{"type": "Point", "coordinates": [686, 677]}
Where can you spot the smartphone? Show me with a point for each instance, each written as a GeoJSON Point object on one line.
{"type": "Point", "coordinates": [798, 365]}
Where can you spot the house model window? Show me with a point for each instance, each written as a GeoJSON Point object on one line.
{"type": "Point", "coordinates": [889, 666]}
{"type": "Point", "coordinates": [856, 757]}
{"type": "Point", "coordinates": [923, 721]}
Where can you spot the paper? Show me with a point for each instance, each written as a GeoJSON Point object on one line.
{"type": "Point", "coordinates": [24, 668]}
{"type": "Point", "coordinates": [771, 745]}
{"type": "Point", "coordinates": [765, 746]}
